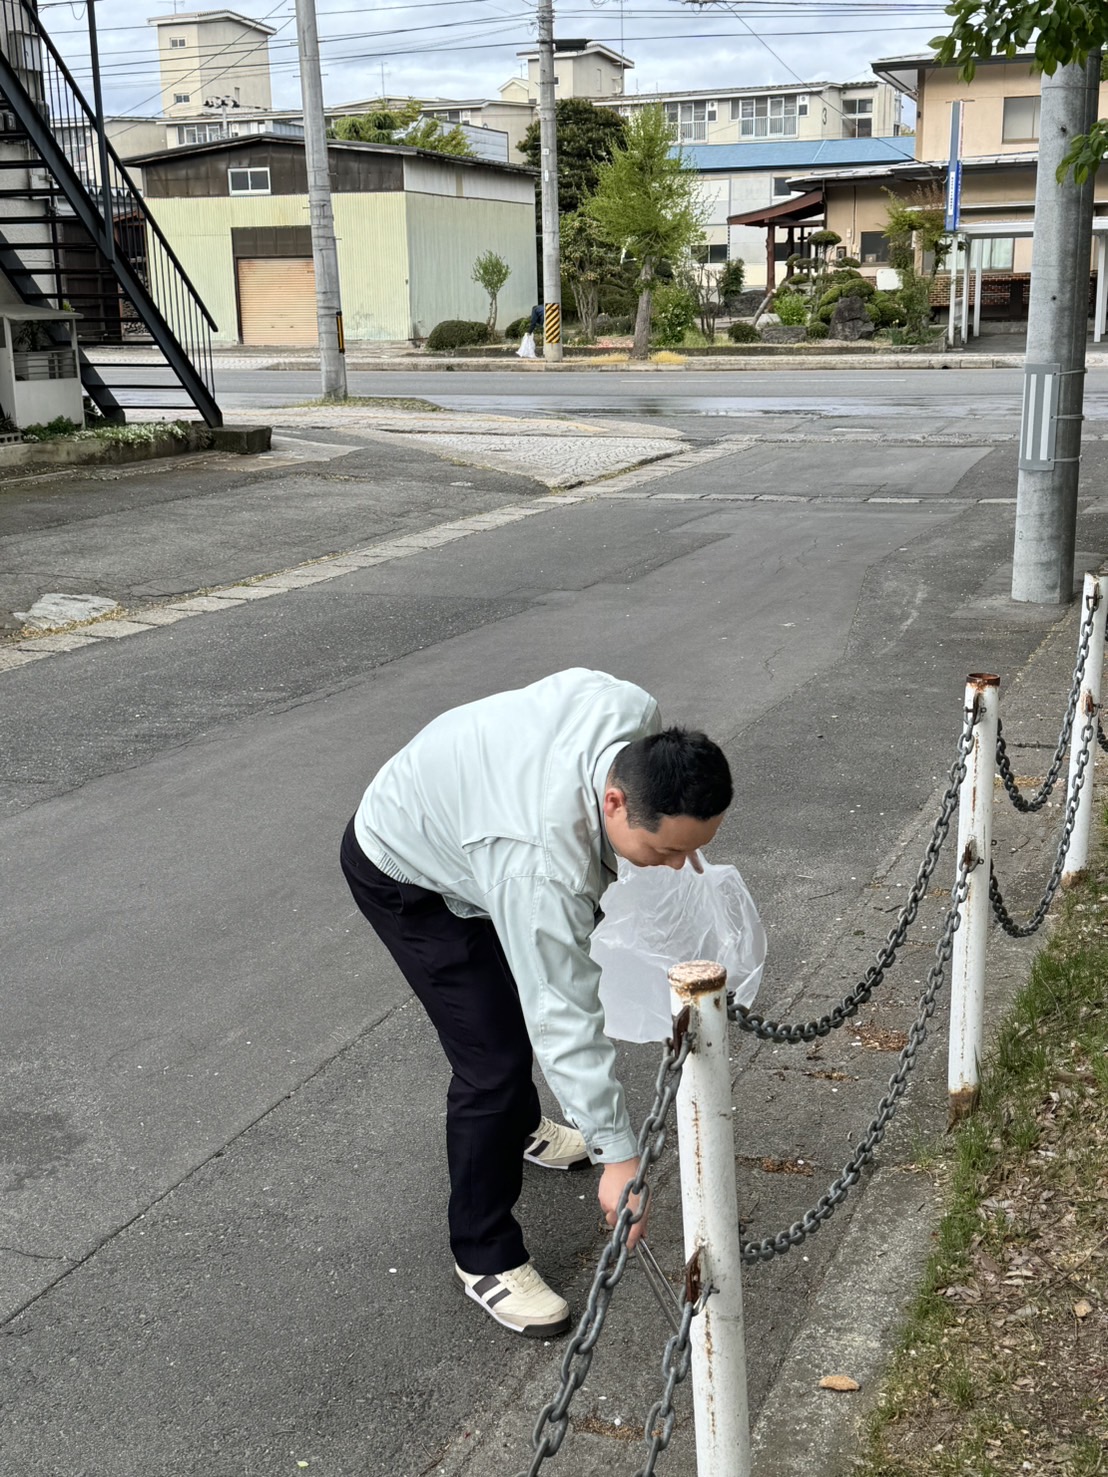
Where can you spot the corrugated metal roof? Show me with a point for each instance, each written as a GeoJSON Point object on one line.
{"type": "Point", "coordinates": [799, 153]}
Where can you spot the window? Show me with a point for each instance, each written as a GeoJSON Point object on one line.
{"type": "Point", "coordinates": [176, 43]}
{"type": "Point", "coordinates": [857, 117]}
{"type": "Point", "coordinates": [690, 120]}
{"type": "Point", "coordinates": [182, 97]}
{"type": "Point", "coordinates": [200, 133]}
{"type": "Point", "coordinates": [781, 185]}
{"type": "Point", "coordinates": [1021, 120]}
{"type": "Point", "coordinates": [875, 247]}
{"type": "Point", "coordinates": [995, 256]}
{"type": "Point", "coordinates": [765, 117]}
{"type": "Point", "coordinates": [248, 181]}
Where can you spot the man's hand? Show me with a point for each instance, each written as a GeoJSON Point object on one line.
{"type": "Point", "coordinates": [612, 1182]}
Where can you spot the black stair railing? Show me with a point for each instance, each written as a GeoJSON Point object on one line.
{"type": "Point", "coordinates": [61, 126]}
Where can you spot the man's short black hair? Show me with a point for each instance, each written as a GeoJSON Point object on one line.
{"type": "Point", "coordinates": [675, 772]}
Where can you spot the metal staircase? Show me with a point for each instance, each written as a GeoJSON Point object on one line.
{"type": "Point", "coordinates": [76, 233]}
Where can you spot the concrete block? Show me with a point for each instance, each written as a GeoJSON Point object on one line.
{"type": "Point", "coordinates": [242, 440]}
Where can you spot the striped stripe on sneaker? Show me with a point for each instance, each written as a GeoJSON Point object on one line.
{"type": "Point", "coordinates": [554, 1146]}
{"type": "Point", "coordinates": [519, 1299]}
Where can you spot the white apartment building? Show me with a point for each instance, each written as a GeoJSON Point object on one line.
{"type": "Point", "coordinates": [804, 112]}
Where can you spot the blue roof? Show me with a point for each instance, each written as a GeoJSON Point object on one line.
{"type": "Point", "coordinates": [795, 154]}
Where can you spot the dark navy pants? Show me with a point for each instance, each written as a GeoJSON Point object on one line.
{"type": "Point", "coordinates": [458, 970]}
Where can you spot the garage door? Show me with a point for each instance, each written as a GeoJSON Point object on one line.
{"type": "Point", "coordinates": [277, 300]}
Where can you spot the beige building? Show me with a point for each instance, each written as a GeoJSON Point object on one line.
{"type": "Point", "coordinates": [210, 56]}
{"type": "Point", "coordinates": [587, 69]}
{"type": "Point", "coordinates": [409, 226]}
{"type": "Point", "coordinates": [1000, 134]}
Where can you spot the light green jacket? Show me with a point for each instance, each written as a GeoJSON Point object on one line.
{"type": "Point", "coordinates": [498, 806]}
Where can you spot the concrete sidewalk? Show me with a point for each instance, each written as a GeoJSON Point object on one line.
{"type": "Point", "coordinates": [221, 1250]}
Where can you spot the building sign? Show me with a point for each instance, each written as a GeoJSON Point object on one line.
{"type": "Point", "coordinates": [953, 202]}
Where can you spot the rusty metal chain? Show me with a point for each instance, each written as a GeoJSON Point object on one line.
{"type": "Point", "coordinates": [553, 1422]}
{"type": "Point", "coordinates": [1003, 917]}
{"type": "Point", "coordinates": [771, 1246]}
{"type": "Point", "coordinates": [676, 1360]}
{"type": "Point", "coordinates": [797, 1033]}
{"type": "Point", "coordinates": [1029, 803]}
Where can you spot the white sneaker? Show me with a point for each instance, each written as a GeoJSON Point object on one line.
{"type": "Point", "coordinates": [555, 1146]}
{"type": "Point", "coordinates": [518, 1299]}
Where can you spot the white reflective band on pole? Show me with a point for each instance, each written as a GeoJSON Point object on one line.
{"type": "Point", "coordinates": [1088, 701]}
{"type": "Point", "coordinates": [967, 965]}
{"type": "Point", "coordinates": [710, 1213]}
{"type": "Point", "coordinates": [1039, 424]}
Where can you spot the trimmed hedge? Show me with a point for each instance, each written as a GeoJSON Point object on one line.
{"type": "Point", "coordinates": [453, 333]}
{"type": "Point", "coordinates": [744, 333]}
{"type": "Point", "coordinates": [818, 330]}
{"type": "Point", "coordinates": [518, 327]}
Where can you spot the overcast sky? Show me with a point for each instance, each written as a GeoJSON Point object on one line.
{"type": "Point", "coordinates": [467, 48]}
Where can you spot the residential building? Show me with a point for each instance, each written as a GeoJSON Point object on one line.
{"type": "Point", "coordinates": [744, 185]}
{"type": "Point", "coordinates": [209, 55]}
{"type": "Point", "coordinates": [409, 226]}
{"type": "Point", "coordinates": [801, 111]}
{"type": "Point", "coordinates": [587, 69]}
{"type": "Point", "coordinates": [999, 159]}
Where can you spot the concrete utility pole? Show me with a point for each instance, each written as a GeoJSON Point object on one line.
{"type": "Point", "coordinates": [548, 154]}
{"type": "Point", "coordinates": [1057, 324]}
{"type": "Point", "coordinates": [332, 346]}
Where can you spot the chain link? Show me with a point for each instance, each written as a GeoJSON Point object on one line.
{"type": "Point", "coordinates": [1101, 736]}
{"type": "Point", "coordinates": [771, 1246]}
{"type": "Point", "coordinates": [553, 1422]}
{"type": "Point", "coordinates": [676, 1361]}
{"type": "Point", "coordinates": [1034, 802]}
{"type": "Point", "coordinates": [795, 1034]}
{"type": "Point", "coordinates": [1003, 917]}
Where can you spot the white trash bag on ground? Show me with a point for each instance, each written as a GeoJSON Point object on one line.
{"type": "Point", "coordinates": [654, 918]}
{"type": "Point", "coordinates": [526, 348]}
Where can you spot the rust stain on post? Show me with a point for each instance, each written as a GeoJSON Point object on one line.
{"type": "Point", "coordinates": [962, 1103]}
{"type": "Point", "coordinates": [980, 680]}
{"type": "Point", "coordinates": [697, 977]}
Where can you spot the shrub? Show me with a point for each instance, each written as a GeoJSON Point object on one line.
{"type": "Point", "coordinates": [855, 287]}
{"type": "Point", "coordinates": [614, 323]}
{"type": "Point", "coordinates": [453, 333]}
{"type": "Point", "coordinates": [791, 308]}
{"type": "Point", "coordinates": [744, 333]}
{"type": "Point", "coordinates": [731, 280]}
{"type": "Point", "coordinates": [886, 310]}
{"type": "Point", "coordinates": [60, 426]}
{"type": "Point", "coordinates": [674, 314]}
{"type": "Point", "coordinates": [849, 261]}
{"type": "Point", "coordinates": [818, 330]}
{"type": "Point", "coordinates": [518, 327]}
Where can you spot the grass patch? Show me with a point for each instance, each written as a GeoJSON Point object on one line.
{"type": "Point", "coordinates": [1003, 1366]}
{"type": "Point", "coordinates": [667, 356]}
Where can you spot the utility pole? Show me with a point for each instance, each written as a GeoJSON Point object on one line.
{"type": "Point", "coordinates": [548, 154]}
{"type": "Point", "coordinates": [1057, 325]}
{"type": "Point", "coordinates": [332, 346]}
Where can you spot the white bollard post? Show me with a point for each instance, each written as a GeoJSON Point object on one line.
{"type": "Point", "coordinates": [967, 965]}
{"type": "Point", "coordinates": [1088, 703]}
{"type": "Point", "coordinates": [710, 1212]}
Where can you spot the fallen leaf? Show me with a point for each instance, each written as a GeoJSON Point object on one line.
{"type": "Point", "coordinates": [838, 1382]}
{"type": "Point", "coordinates": [1082, 1309]}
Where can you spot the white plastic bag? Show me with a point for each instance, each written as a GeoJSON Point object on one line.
{"type": "Point", "coordinates": [654, 918]}
{"type": "Point", "coordinates": [526, 348]}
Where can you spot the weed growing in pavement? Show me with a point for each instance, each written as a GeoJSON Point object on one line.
{"type": "Point", "coordinates": [1003, 1366]}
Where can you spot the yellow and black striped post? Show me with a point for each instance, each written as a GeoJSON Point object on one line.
{"type": "Point", "coordinates": [552, 331]}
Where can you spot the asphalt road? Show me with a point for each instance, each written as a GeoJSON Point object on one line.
{"type": "Point", "coordinates": [221, 1238]}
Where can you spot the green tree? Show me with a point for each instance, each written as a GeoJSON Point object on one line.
{"type": "Point", "coordinates": [922, 220]}
{"type": "Point", "coordinates": [586, 137]}
{"type": "Point", "coordinates": [491, 272]}
{"type": "Point", "coordinates": [403, 125]}
{"type": "Point", "coordinates": [589, 265]}
{"type": "Point", "coordinates": [647, 203]}
{"type": "Point", "coordinates": [1058, 32]}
